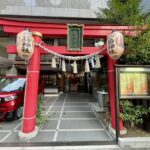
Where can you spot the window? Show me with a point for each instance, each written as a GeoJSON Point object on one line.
{"type": "Point", "coordinates": [88, 42]}
{"type": "Point", "coordinates": [49, 41]}
{"type": "Point", "coordinates": [12, 84]}
{"type": "Point", "coordinates": [62, 42]}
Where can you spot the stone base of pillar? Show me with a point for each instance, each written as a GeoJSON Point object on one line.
{"type": "Point", "coordinates": [25, 137]}
{"type": "Point", "coordinates": [113, 131]}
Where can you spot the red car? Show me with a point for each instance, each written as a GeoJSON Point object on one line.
{"type": "Point", "coordinates": [11, 97]}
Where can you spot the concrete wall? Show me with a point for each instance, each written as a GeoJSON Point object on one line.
{"type": "Point", "coordinates": [4, 41]}
{"type": "Point", "coordinates": [53, 8]}
{"type": "Point", "coordinates": [56, 8]}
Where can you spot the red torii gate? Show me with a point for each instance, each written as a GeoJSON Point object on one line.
{"type": "Point", "coordinates": [11, 27]}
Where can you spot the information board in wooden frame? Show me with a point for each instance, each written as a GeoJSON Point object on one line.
{"type": "Point", "coordinates": [133, 81]}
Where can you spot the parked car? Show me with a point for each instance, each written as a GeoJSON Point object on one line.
{"type": "Point", "coordinates": [11, 97]}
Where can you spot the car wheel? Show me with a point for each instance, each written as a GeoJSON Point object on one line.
{"type": "Point", "coordinates": [10, 116]}
{"type": "Point", "coordinates": [19, 112]}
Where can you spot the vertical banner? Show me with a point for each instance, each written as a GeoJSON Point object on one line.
{"type": "Point", "coordinates": [75, 37]}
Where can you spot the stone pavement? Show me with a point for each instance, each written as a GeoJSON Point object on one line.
{"type": "Point", "coordinates": [70, 119]}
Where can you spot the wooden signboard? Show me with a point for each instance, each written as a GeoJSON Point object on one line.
{"type": "Point", "coordinates": [75, 37]}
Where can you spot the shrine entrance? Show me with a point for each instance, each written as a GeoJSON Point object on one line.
{"type": "Point", "coordinates": [74, 83]}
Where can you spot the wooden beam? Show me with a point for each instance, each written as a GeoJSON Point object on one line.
{"type": "Point", "coordinates": [60, 30]}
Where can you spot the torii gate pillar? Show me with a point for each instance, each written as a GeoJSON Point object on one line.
{"type": "Point", "coordinates": [112, 98]}
{"type": "Point", "coordinates": [29, 128]}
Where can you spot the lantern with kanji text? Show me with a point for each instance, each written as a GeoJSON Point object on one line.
{"type": "Point", "coordinates": [25, 44]}
{"type": "Point", "coordinates": [115, 45]}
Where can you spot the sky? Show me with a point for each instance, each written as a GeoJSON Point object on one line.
{"type": "Point", "coordinates": [146, 5]}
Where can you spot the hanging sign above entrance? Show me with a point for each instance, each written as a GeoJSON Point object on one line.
{"type": "Point", "coordinates": [115, 45]}
{"type": "Point", "coordinates": [75, 37]}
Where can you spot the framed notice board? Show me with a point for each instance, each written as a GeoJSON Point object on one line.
{"type": "Point", "coordinates": [133, 82]}
{"type": "Point", "coordinates": [75, 37]}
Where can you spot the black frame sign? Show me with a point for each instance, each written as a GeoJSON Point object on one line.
{"type": "Point", "coordinates": [133, 82]}
{"type": "Point", "coordinates": [75, 37]}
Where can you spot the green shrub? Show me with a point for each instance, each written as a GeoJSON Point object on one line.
{"type": "Point", "coordinates": [40, 117]}
{"type": "Point", "coordinates": [131, 113]}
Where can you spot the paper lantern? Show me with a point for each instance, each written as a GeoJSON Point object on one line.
{"type": "Point", "coordinates": [115, 45]}
{"type": "Point", "coordinates": [25, 44]}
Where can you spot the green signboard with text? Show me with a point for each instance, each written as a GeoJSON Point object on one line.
{"type": "Point", "coordinates": [75, 37]}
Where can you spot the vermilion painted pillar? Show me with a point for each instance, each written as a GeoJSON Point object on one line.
{"type": "Point", "coordinates": [29, 129]}
{"type": "Point", "coordinates": [111, 78]}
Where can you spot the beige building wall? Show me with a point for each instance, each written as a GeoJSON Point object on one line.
{"type": "Point", "coordinates": [52, 8]}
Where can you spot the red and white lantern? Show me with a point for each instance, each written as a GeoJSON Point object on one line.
{"type": "Point", "coordinates": [25, 44]}
{"type": "Point", "coordinates": [115, 45]}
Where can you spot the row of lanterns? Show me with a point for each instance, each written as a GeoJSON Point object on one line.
{"type": "Point", "coordinates": [115, 48]}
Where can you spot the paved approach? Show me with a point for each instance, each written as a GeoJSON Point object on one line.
{"type": "Point", "coordinates": [70, 119]}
